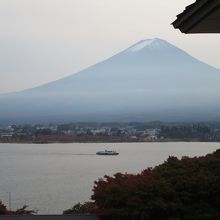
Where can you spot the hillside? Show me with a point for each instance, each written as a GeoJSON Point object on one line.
{"type": "Point", "coordinates": [151, 80]}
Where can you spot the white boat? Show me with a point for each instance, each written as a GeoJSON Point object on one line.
{"type": "Point", "coordinates": [107, 152]}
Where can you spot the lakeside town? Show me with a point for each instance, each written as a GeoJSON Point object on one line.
{"type": "Point", "coordinates": [110, 132]}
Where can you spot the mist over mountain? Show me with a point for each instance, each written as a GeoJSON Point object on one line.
{"type": "Point", "coordinates": [151, 80]}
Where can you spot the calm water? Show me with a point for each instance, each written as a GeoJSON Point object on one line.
{"type": "Point", "coordinates": [53, 177]}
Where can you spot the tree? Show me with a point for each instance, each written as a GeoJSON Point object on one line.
{"type": "Point", "coordinates": [3, 209]}
{"type": "Point", "coordinates": [20, 211]}
{"type": "Point", "coordinates": [79, 208]}
{"type": "Point", "coordinates": [187, 188]}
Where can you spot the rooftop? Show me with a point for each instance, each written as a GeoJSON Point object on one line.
{"type": "Point", "coordinates": [203, 16]}
{"type": "Point", "coordinates": [48, 217]}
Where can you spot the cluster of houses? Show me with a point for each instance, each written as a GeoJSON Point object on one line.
{"type": "Point", "coordinates": [31, 133]}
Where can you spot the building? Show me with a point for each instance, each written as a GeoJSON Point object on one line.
{"type": "Point", "coordinates": [203, 16]}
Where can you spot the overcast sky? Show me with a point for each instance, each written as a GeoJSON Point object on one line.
{"type": "Point", "coordinates": [45, 40]}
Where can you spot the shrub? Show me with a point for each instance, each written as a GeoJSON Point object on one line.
{"type": "Point", "coordinates": [179, 189]}
{"type": "Point", "coordinates": [85, 208]}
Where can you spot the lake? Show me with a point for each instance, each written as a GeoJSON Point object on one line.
{"type": "Point", "coordinates": [54, 177]}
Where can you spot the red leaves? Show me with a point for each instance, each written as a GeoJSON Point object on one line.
{"type": "Point", "coordinates": [178, 189]}
{"type": "Point", "coordinates": [121, 190]}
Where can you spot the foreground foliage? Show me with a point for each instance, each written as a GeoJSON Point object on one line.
{"type": "Point", "coordinates": [21, 211]}
{"type": "Point", "coordinates": [85, 208]}
{"type": "Point", "coordinates": [179, 189]}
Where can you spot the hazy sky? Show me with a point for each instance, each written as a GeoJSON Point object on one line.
{"type": "Point", "coordinates": [44, 40]}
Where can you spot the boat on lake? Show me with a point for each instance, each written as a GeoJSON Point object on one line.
{"type": "Point", "coordinates": [107, 152]}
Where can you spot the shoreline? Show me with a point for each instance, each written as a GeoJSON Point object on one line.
{"type": "Point", "coordinates": [110, 142]}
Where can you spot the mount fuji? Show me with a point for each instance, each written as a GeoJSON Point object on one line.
{"type": "Point", "coordinates": [151, 80]}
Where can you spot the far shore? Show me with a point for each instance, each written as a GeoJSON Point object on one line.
{"type": "Point", "coordinates": [93, 142]}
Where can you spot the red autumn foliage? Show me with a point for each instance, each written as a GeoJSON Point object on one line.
{"type": "Point", "coordinates": [177, 189]}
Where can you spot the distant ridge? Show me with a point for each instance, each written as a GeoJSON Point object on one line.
{"type": "Point", "coordinates": [151, 80]}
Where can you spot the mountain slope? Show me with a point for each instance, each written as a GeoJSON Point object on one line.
{"type": "Point", "coordinates": [151, 80]}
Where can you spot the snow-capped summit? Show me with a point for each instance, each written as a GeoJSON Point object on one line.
{"type": "Point", "coordinates": [151, 44]}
